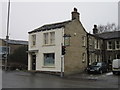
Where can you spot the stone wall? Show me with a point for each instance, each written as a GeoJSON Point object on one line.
{"type": "Point", "coordinates": [73, 60]}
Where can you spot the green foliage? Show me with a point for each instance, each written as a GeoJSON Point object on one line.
{"type": "Point", "coordinates": [19, 55]}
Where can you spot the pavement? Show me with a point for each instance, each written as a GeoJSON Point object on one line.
{"type": "Point", "coordinates": [86, 76]}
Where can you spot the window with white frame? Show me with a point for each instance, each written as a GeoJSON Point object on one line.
{"type": "Point", "coordinates": [117, 44]}
{"type": "Point", "coordinates": [33, 40]}
{"type": "Point", "coordinates": [52, 37]}
{"type": "Point", "coordinates": [45, 38]}
{"type": "Point", "coordinates": [109, 45]}
{"type": "Point", "coordinates": [49, 59]}
{"type": "Point", "coordinates": [97, 57]}
{"type": "Point", "coordinates": [90, 59]}
{"type": "Point", "coordinates": [49, 38]}
{"type": "Point", "coordinates": [90, 41]}
{"type": "Point", "coordinates": [83, 57]}
{"type": "Point", "coordinates": [97, 44]}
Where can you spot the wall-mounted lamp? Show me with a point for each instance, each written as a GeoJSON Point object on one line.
{"type": "Point", "coordinates": [67, 39]}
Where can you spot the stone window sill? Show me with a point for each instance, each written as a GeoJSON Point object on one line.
{"type": "Point", "coordinates": [48, 66]}
{"type": "Point", "coordinates": [48, 45]}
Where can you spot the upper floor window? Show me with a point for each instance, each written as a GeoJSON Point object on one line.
{"type": "Point", "coordinates": [52, 37]}
{"type": "Point", "coordinates": [117, 44]}
{"type": "Point", "coordinates": [45, 38]}
{"type": "Point", "coordinates": [90, 41]}
{"type": "Point", "coordinates": [97, 44]}
{"type": "Point", "coordinates": [33, 40]}
{"type": "Point", "coordinates": [109, 45]}
{"type": "Point", "coordinates": [49, 38]}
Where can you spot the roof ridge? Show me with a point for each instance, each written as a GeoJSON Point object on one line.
{"type": "Point", "coordinates": [58, 22]}
{"type": "Point", "coordinates": [109, 35]}
{"type": "Point", "coordinates": [51, 26]}
{"type": "Point", "coordinates": [109, 32]}
{"type": "Point", "coordinates": [16, 40]}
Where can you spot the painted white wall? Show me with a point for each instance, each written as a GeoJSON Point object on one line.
{"type": "Point", "coordinates": [47, 49]}
{"type": "Point", "coordinates": [29, 62]}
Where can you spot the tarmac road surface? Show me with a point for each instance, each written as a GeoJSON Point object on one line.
{"type": "Point", "coordinates": [19, 79]}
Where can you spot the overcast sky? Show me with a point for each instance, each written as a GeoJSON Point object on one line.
{"type": "Point", "coordinates": [27, 16]}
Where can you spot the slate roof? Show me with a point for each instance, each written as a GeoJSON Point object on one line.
{"type": "Point", "coordinates": [17, 42]}
{"type": "Point", "coordinates": [109, 35]}
{"type": "Point", "coordinates": [50, 26]}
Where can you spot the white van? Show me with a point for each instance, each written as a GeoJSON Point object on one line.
{"type": "Point", "coordinates": [116, 66]}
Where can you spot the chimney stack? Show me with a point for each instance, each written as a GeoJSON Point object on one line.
{"type": "Point", "coordinates": [75, 14]}
{"type": "Point", "coordinates": [95, 30]}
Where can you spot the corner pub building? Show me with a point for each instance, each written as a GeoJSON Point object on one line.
{"type": "Point", "coordinates": [46, 45]}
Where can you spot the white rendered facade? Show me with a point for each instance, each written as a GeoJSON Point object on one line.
{"type": "Point", "coordinates": [39, 49]}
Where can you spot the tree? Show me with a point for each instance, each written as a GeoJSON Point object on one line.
{"type": "Point", "coordinates": [19, 55]}
{"type": "Point", "coordinates": [108, 27]}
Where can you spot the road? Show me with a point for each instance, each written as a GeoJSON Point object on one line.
{"type": "Point", "coordinates": [19, 79]}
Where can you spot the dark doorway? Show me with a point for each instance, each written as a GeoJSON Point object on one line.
{"type": "Point", "coordinates": [118, 56]}
{"type": "Point", "coordinates": [33, 62]}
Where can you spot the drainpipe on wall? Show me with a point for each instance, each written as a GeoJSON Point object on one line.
{"type": "Point", "coordinates": [104, 51]}
{"type": "Point", "coordinates": [87, 49]}
{"type": "Point", "coordinates": [61, 75]}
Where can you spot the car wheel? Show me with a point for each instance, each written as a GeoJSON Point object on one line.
{"type": "Point", "coordinates": [114, 73]}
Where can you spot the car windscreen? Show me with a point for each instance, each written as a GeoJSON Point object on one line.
{"type": "Point", "coordinates": [97, 64]}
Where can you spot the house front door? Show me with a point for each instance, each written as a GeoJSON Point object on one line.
{"type": "Point", "coordinates": [33, 62]}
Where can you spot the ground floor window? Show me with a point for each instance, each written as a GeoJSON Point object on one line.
{"type": "Point", "coordinates": [49, 59]}
{"type": "Point", "coordinates": [97, 58]}
{"type": "Point", "coordinates": [83, 57]}
{"type": "Point", "coordinates": [90, 59]}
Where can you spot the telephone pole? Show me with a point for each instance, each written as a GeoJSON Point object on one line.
{"type": "Point", "coordinates": [7, 37]}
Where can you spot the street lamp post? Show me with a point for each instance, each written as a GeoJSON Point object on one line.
{"type": "Point", "coordinates": [7, 36]}
{"type": "Point", "coordinates": [66, 43]}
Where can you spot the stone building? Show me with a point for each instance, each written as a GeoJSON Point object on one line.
{"type": "Point", "coordinates": [13, 45]}
{"type": "Point", "coordinates": [103, 46]}
{"type": "Point", "coordinates": [111, 45]}
{"type": "Point", "coordinates": [66, 47]}
{"type": "Point", "coordinates": [46, 42]}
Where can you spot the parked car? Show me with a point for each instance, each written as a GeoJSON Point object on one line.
{"type": "Point", "coordinates": [97, 67]}
{"type": "Point", "coordinates": [116, 66]}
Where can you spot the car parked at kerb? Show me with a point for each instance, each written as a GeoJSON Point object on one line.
{"type": "Point", "coordinates": [97, 67]}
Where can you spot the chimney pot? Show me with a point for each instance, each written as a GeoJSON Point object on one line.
{"type": "Point", "coordinates": [75, 9]}
{"type": "Point", "coordinates": [75, 14]}
{"type": "Point", "coordinates": [95, 30]}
